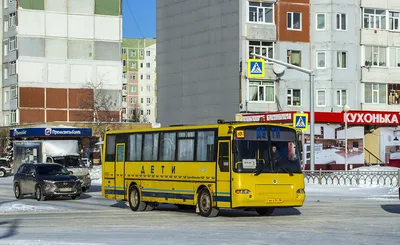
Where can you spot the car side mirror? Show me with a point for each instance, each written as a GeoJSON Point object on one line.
{"type": "Point", "coordinates": [70, 172]}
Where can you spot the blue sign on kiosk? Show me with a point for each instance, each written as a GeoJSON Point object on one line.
{"type": "Point", "coordinates": [50, 132]}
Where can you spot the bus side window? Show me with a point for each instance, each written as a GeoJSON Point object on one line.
{"type": "Point", "coordinates": [49, 160]}
{"type": "Point", "coordinates": [223, 159]}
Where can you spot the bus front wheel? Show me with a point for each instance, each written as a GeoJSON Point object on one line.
{"type": "Point", "coordinates": [135, 202]}
{"type": "Point", "coordinates": [204, 203]}
{"type": "Point", "coordinates": [265, 211]}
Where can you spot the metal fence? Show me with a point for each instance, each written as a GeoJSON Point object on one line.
{"type": "Point", "coordinates": [353, 178]}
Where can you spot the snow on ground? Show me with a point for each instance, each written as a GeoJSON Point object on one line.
{"type": "Point", "coordinates": [95, 175]}
{"type": "Point", "coordinates": [376, 168]}
{"type": "Point", "coordinates": [21, 207]}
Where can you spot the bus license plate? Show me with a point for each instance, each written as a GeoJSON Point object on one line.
{"type": "Point", "coordinates": [65, 189]}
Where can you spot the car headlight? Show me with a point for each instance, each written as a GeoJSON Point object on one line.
{"type": "Point", "coordinates": [48, 184]}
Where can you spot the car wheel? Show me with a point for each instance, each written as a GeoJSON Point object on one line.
{"type": "Point", "coordinates": [2, 173]}
{"type": "Point", "coordinates": [17, 191]}
{"type": "Point", "coordinates": [204, 203]}
{"type": "Point", "coordinates": [135, 202]}
{"type": "Point", "coordinates": [39, 193]}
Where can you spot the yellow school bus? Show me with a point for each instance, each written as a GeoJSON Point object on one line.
{"type": "Point", "coordinates": [228, 165]}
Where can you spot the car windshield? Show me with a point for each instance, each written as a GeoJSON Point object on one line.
{"type": "Point", "coordinates": [266, 149]}
{"type": "Point", "coordinates": [51, 170]}
{"type": "Point", "coordinates": [69, 161]}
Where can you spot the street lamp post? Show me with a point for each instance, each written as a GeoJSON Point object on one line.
{"type": "Point", "coordinates": [346, 108]}
{"type": "Point", "coordinates": [312, 98]}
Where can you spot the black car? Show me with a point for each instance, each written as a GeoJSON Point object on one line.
{"type": "Point", "coordinates": [45, 180]}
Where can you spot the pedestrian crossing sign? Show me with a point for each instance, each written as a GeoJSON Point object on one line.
{"type": "Point", "coordinates": [255, 68]}
{"type": "Point", "coordinates": [300, 121]}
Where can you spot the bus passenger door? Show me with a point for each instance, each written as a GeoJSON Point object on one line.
{"type": "Point", "coordinates": [223, 188]}
{"type": "Point", "coordinates": [119, 187]}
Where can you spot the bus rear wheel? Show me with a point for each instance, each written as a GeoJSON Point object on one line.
{"type": "Point", "coordinates": [265, 211]}
{"type": "Point", "coordinates": [204, 203]}
{"type": "Point", "coordinates": [135, 202]}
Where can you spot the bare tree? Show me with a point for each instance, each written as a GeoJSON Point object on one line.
{"type": "Point", "coordinates": [97, 104]}
{"type": "Point", "coordinates": [136, 116]}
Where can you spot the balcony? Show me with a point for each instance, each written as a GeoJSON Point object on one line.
{"type": "Point", "coordinates": [124, 116]}
{"type": "Point", "coordinates": [124, 104]}
{"type": "Point", "coordinates": [124, 81]}
{"type": "Point", "coordinates": [382, 74]}
{"type": "Point", "coordinates": [124, 93]}
{"type": "Point", "coordinates": [260, 31]}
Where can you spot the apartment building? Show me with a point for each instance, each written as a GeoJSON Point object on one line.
{"type": "Point", "coordinates": [61, 61]}
{"type": "Point", "coordinates": [139, 80]}
{"type": "Point", "coordinates": [380, 55]}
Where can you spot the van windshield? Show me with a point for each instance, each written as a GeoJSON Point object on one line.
{"type": "Point", "coordinates": [266, 149]}
{"type": "Point", "coordinates": [69, 161]}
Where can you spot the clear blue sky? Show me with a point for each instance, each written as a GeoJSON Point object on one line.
{"type": "Point", "coordinates": [144, 11]}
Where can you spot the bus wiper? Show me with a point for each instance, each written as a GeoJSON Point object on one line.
{"type": "Point", "coordinates": [288, 171]}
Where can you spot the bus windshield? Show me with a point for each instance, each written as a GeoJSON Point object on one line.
{"type": "Point", "coordinates": [266, 149]}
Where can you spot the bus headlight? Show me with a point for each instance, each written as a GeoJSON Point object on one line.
{"type": "Point", "coordinates": [242, 191]}
{"type": "Point", "coordinates": [300, 191]}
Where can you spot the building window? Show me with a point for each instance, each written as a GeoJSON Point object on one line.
{"type": "Point", "coordinates": [294, 97]}
{"type": "Point", "coordinates": [124, 75]}
{"type": "Point", "coordinates": [375, 56]}
{"type": "Point", "coordinates": [148, 87]}
{"type": "Point", "coordinates": [375, 93]}
{"type": "Point", "coordinates": [141, 65]}
{"type": "Point", "coordinates": [261, 12]}
{"type": "Point", "coordinates": [294, 57]}
{"type": "Point", "coordinates": [148, 112]}
{"type": "Point", "coordinates": [262, 91]}
{"type": "Point", "coordinates": [321, 22]}
{"type": "Point", "coordinates": [261, 48]}
{"type": "Point", "coordinates": [133, 76]}
{"type": "Point", "coordinates": [341, 22]}
{"type": "Point", "coordinates": [133, 89]}
{"type": "Point", "coordinates": [133, 100]}
{"type": "Point", "coordinates": [124, 87]}
{"type": "Point", "coordinates": [12, 20]}
{"type": "Point", "coordinates": [123, 50]}
{"type": "Point", "coordinates": [394, 57]}
{"type": "Point", "coordinates": [394, 21]}
{"type": "Point", "coordinates": [123, 62]}
{"type": "Point", "coordinates": [394, 94]}
{"type": "Point", "coordinates": [148, 65]}
{"type": "Point", "coordinates": [293, 21]}
{"type": "Point", "coordinates": [141, 100]}
{"type": "Point", "coordinates": [123, 99]}
{"type": "Point", "coordinates": [133, 53]}
{"type": "Point", "coordinates": [133, 65]}
{"type": "Point", "coordinates": [141, 77]}
{"type": "Point", "coordinates": [13, 68]}
{"type": "Point", "coordinates": [141, 112]}
{"type": "Point", "coordinates": [148, 53]}
{"type": "Point", "coordinates": [148, 77]}
{"type": "Point", "coordinates": [13, 92]}
{"type": "Point", "coordinates": [13, 117]}
{"type": "Point", "coordinates": [374, 19]}
{"type": "Point", "coordinates": [342, 59]}
{"type": "Point", "coordinates": [321, 59]}
{"type": "Point", "coordinates": [148, 100]}
{"type": "Point", "coordinates": [141, 53]}
{"type": "Point", "coordinates": [321, 97]}
{"type": "Point", "coordinates": [12, 43]}
{"type": "Point", "coordinates": [6, 96]}
{"type": "Point", "coordinates": [341, 97]}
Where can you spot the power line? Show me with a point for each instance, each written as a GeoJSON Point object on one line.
{"type": "Point", "coordinates": [130, 10]}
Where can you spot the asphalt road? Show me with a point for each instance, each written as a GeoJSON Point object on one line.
{"type": "Point", "coordinates": [324, 219]}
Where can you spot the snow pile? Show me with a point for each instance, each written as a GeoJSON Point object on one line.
{"type": "Point", "coordinates": [42, 242]}
{"type": "Point", "coordinates": [95, 175]}
{"type": "Point", "coordinates": [21, 207]}
{"type": "Point", "coordinates": [376, 168]}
